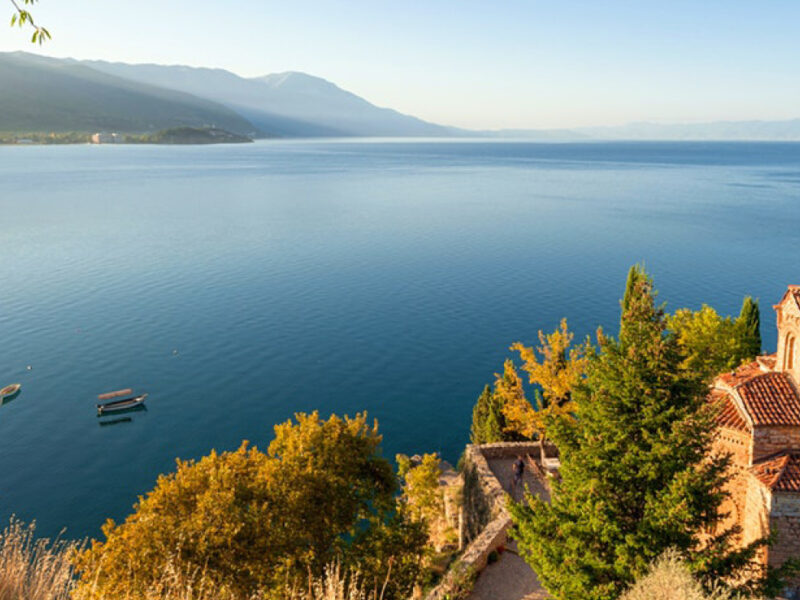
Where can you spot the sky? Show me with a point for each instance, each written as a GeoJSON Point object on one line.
{"type": "Point", "coordinates": [469, 63]}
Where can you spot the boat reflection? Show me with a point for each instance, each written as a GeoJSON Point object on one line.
{"type": "Point", "coordinates": [10, 398]}
{"type": "Point", "coordinates": [115, 421]}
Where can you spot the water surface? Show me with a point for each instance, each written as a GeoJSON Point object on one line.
{"type": "Point", "coordinates": [239, 284]}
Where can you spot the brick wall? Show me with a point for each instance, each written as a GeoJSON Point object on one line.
{"type": "Point", "coordinates": [758, 500]}
{"type": "Point", "coordinates": [768, 440]}
{"type": "Point", "coordinates": [785, 519]}
{"type": "Point", "coordinates": [739, 445]}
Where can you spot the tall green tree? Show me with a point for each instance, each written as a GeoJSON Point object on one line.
{"type": "Point", "coordinates": [487, 419]}
{"type": "Point", "coordinates": [637, 473]}
{"type": "Point", "coordinates": [748, 325]}
{"type": "Point", "coordinates": [636, 275]}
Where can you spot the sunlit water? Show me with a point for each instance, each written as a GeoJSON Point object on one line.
{"type": "Point", "coordinates": [239, 284]}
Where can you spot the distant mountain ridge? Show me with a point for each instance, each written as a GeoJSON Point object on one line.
{"type": "Point", "coordinates": [286, 104]}
{"type": "Point", "coordinates": [40, 94]}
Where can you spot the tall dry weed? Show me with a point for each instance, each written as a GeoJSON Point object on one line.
{"type": "Point", "coordinates": [38, 569]}
{"type": "Point", "coordinates": [32, 569]}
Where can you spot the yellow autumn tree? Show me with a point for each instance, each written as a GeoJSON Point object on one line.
{"type": "Point", "coordinates": [519, 414]}
{"type": "Point", "coordinates": [256, 523]}
{"type": "Point", "coordinates": [556, 367]}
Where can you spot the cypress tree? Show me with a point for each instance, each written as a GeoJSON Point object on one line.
{"type": "Point", "coordinates": [748, 325]}
{"type": "Point", "coordinates": [636, 274]}
{"type": "Point", "coordinates": [637, 474]}
{"type": "Point", "coordinates": [487, 419]}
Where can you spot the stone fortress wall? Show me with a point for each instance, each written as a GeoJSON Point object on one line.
{"type": "Point", "coordinates": [484, 519]}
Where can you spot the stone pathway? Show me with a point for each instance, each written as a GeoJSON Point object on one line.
{"type": "Point", "coordinates": [510, 578]}
{"type": "Point", "coordinates": [501, 467]}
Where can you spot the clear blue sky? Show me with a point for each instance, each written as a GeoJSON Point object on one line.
{"type": "Point", "coordinates": [471, 63]}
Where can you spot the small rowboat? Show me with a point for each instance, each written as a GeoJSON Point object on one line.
{"type": "Point", "coordinates": [120, 405]}
{"type": "Point", "coordinates": [10, 390]}
{"type": "Point", "coordinates": [117, 394]}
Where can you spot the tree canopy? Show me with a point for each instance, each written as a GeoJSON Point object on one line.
{"type": "Point", "coordinates": [638, 475]}
{"type": "Point", "coordinates": [712, 344]}
{"type": "Point", "coordinates": [256, 522]}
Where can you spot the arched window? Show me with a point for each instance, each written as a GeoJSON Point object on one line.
{"type": "Point", "coordinates": [788, 352]}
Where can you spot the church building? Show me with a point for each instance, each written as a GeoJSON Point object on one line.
{"type": "Point", "coordinates": [759, 425]}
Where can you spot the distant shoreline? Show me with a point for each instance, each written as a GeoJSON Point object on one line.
{"type": "Point", "coordinates": [168, 137]}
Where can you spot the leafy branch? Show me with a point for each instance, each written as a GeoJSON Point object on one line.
{"type": "Point", "coordinates": [21, 16]}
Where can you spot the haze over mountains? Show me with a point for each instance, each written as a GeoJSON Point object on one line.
{"type": "Point", "coordinates": [48, 94]}
{"type": "Point", "coordinates": [286, 104]}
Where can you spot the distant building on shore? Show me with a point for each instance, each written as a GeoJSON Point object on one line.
{"type": "Point", "coordinates": [107, 138]}
{"type": "Point", "coordinates": [759, 425]}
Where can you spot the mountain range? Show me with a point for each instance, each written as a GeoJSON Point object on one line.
{"type": "Point", "coordinates": [40, 94]}
{"type": "Point", "coordinates": [285, 104]}
{"type": "Point", "coordinates": [44, 94]}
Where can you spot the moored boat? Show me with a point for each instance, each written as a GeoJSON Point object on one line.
{"type": "Point", "coordinates": [10, 390]}
{"type": "Point", "coordinates": [117, 394]}
{"type": "Point", "coordinates": [121, 405]}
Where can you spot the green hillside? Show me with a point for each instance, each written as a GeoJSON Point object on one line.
{"type": "Point", "coordinates": [44, 94]}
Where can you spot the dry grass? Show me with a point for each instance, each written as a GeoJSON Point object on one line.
{"type": "Point", "coordinates": [670, 579]}
{"type": "Point", "coordinates": [32, 569]}
{"type": "Point", "coordinates": [336, 585]}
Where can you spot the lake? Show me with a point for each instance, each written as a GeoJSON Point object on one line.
{"type": "Point", "coordinates": [240, 284]}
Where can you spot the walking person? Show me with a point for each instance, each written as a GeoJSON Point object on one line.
{"type": "Point", "coordinates": [518, 470]}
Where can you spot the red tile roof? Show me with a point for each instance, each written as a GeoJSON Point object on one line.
{"type": "Point", "coordinates": [770, 399]}
{"type": "Point", "coordinates": [728, 416]}
{"type": "Point", "coordinates": [780, 472]}
{"type": "Point", "coordinates": [767, 362]}
{"type": "Point", "coordinates": [742, 374]}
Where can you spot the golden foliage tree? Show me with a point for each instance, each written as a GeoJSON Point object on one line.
{"type": "Point", "coordinates": [556, 368]}
{"type": "Point", "coordinates": [255, 522]}
{"type": "Point", "coordinates": [560, 368]}
{"type": "Point", "coordinates": [423, 497]}
{"type": "Point", "coordinates": [518, 412]}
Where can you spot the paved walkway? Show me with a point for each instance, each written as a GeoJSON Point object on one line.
{"type": "Point", "coordinates": [510, 578]}
{"type": "Point", "coordinates": [501, 467]}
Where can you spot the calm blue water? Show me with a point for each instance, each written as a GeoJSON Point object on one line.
{"type": "Point", "coordinates": [341, 276]}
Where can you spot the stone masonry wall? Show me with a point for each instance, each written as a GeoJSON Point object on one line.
{"type": "Point", "coordinates": [755, 522]}
{"type": "Point", "coordinates": [486, 519]}
{"type": "Point", "coordinates": [768, 440]}
{"type": "Point", "coordinates": [739, 445]}
{"type": "Point", "coordinates": [785, 518]}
